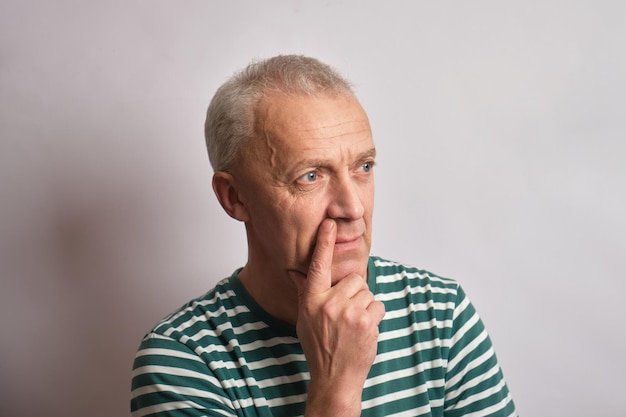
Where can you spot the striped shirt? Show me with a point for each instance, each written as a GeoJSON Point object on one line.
{"type": "Point", "coordinates": [222, 355]}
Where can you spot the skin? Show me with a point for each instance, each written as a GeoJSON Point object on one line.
{"type": "Point", "coordinates": [305, 191]}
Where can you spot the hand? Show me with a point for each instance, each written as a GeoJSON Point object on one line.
{"type": "Point", "coordinates": [338, 330]}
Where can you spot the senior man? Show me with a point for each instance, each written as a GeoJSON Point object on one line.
{"type": "Point", "coordinates": [312, 324]}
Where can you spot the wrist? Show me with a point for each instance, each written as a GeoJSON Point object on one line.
{"type": "Point", "coordinates": [333, 400]}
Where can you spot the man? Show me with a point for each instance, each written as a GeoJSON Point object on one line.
{"type": "Point", "coordinates": [312, 324]}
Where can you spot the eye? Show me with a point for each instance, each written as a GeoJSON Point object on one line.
{"type": "Point", "coordinates": [308, 177]}
{"type": "Point", "coordinates": [367, 166]}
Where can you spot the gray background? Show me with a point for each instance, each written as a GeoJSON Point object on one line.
{"type": "Point", "coordinates": [500, 128]}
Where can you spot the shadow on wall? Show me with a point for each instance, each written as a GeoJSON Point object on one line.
{"type": "Point", "coordinates": [78, 248]}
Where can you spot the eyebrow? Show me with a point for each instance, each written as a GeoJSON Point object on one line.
{"type": "Point", "coordinates": [367, 154]}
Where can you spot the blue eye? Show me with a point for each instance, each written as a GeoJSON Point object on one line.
{"type": "Point", "coordinates": [367, 166]}
{"type": "Point", "coordinates": [309, 177]}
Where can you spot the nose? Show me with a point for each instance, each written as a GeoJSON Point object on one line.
{"type": "Point", "coordinates": [345, 200]}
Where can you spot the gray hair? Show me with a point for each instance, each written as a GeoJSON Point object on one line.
{"type": "Point", "coordinates": [230, 117]}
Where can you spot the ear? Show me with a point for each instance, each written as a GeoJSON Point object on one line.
{"type": "Point", "coordinates": [226, 191]}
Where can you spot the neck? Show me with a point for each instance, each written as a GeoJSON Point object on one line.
{"type": "Point", "coordinates": [272, 290]}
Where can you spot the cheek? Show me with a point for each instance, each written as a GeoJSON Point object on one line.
{"type": "Point", "coordinates": [293, 221]}
{"type": "Point", "coordinates": [306, 217]}
{"type": "Point", "coordinates": [367, 199]}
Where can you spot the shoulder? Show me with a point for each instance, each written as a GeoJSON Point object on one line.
{"type": "Point", "coordinates": [392, 274]}
{"type": "Point", "coordinates": [201, 327]}
{"type": "Point", "coordinates": [174, 357]}
{"type": "Point", "coordinates": [209, 311]}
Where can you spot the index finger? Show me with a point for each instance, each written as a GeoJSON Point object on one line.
{"type": "Point", "coordinates": [319, 279]}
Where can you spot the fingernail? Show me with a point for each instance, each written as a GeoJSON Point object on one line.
{"type": "Point", "coordinates": [327, 225]}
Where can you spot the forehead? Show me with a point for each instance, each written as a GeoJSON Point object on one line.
{"type": "Point", "coordinates": [290, 126]}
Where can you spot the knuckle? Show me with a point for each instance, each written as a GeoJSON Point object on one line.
{"type": "Point", "coordinates": [316, 267]}
{"type": "Point", "coordinates": [363, 321]}
{"type": "Point", "coordinates": [329, 309]}
{"type": "Point", "coordinates": [358, 319]}
{"type": "Point", "coordinates": [379, 311]}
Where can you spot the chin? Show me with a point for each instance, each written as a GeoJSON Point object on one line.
{"type": "Point", "coordinates": [347, 267]}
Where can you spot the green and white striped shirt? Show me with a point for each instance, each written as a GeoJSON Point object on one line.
{"type": "Point", "coordinates": [222, 355]}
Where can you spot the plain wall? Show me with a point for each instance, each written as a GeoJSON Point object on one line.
{"type": "Point", "coordinates": [501, 132]}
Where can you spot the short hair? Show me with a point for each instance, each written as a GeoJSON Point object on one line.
{"type": "Point", "coordinates": [230, 117]}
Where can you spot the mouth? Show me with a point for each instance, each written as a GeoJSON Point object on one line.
{"type": "Point", "coordinates": [346, 239]}
{"type": "Point", "coordinates": [348, 243]}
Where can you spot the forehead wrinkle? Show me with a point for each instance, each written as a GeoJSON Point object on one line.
{"type": "Point", "coordinates": [324, 132]}
{"type": "Point", "coordinates": [330, 126]}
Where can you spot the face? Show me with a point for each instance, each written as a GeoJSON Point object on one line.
{"type": "Point", "coordinates": [313, 160]}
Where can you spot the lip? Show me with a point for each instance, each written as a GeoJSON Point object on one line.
{"type": "Point", "coordinates": [348, 243]}
{"type": "Point", "coordinates": [342, 240]}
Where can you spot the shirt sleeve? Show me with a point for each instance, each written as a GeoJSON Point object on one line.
{"type": "Point", "coordinates": [170, 380]}
{"type": "Point", "coordinates": [474, 382]}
